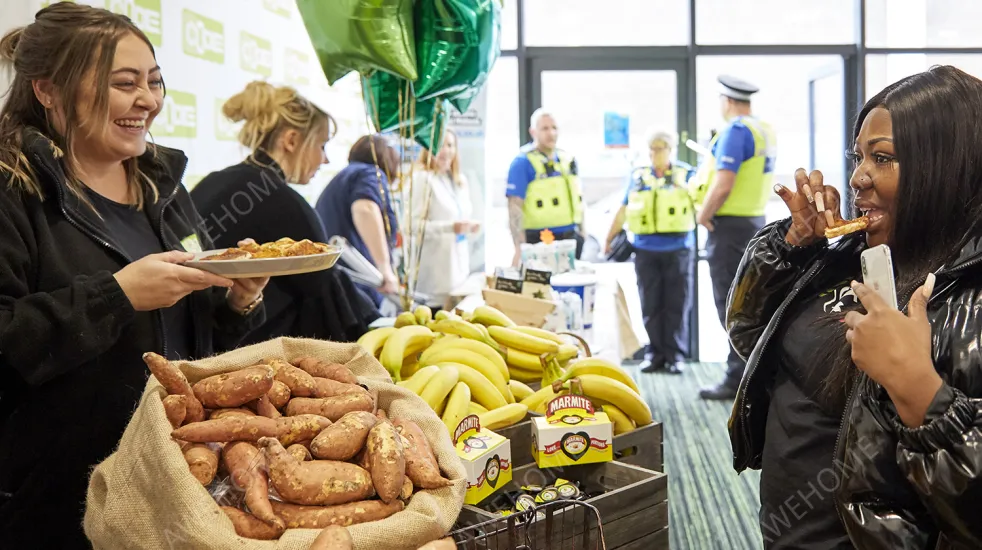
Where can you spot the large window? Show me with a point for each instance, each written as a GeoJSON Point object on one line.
{"type": "Point", "coordinates": [608, 23]}
{"type": "Point", "coordinates": [923, 23]}
{"type": "Point", "coordinates": [501, 136]}
{"type": "Point", "coordinates": [885, 69]}
{"type": "Point", "coordinates": [509, 25]}
{"type": "Point", "coordinates": [775, 22]}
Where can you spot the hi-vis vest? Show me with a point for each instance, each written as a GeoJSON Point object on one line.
{"type": "Point", "coordinates": [664, 207]}
{"type": "Point", "coordinates": [752, 187]}
{"type": "Point", "coordinates": [552, 201]}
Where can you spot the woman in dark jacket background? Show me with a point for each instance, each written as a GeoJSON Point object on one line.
{"type": "Point", "coordinates": [287, 135]}
{"type": "Point", "coordinates": [352, 207]}
{"type": "Point", "coordinates": [866, 421]}
{"type": "Point", "coordinates": [94, 224]}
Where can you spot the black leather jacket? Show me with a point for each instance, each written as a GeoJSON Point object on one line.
{"type": "Point", "coordinates": [896, 487]}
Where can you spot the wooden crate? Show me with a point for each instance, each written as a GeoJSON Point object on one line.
{"type": "Point", "coordinates": [641, 447]}
{"type": "Point", "coordinates": [633, 510]}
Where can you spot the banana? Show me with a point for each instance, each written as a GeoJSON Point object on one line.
{"type": "Point", "coordinates": [419, 380]}
{"type": "Point", "coordinates": [489, 316]}
{"type": "Point", "coordinates": [482, 390]}
{"type": "Point", "coordinates": [403, 343]}
{"type": "Point", "coordinates": [476, 361]}
{"type": "Point", "coordinates": [405, 319]}
{"type": "Point", "coordinates": [567, 352]}
{"type": "Point", "coordinates": [410, 366]}
{"type": "Point", "coordinates": [596, 365]}
{"type": "Point", "coordinates": [373, 340]}
{"type": "Point", "coordinates": [622, 423]}
{"type": "Point", "coordinates": [423, 315]}
{"type": "Point", "coordinates": [439, 387]}
{"type": "Point", "coordinates": [523, 360]}
{"type": "Point", "coordinates": [617, 393]}
{"type": "Point", "coordinates": [474, 408]}
{"type": "Point", "coordinates": [543, 395]}
{"type": "Point", "coordinates": [552, 372]}
{"type": "Point", "coordinates": [541, 333]}
{"type": "Point", "coordinates": [472, 345]}
{"type": "Point", "coordinates": [521, 341]}
{"type": "Point", "coordinates": [524, 376]}
{"type": "Point", "coordinates": [457, 406]}
{"type": "Point", "coordinates": [442, 314]}
{"type": "Point", "coordinates": [519, 390]}
{"type": "Point", "coordinates": [462, 328]}
{"type": "Point", "coordinates": [505, 416]}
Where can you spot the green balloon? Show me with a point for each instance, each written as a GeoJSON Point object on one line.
{"type": "Point", "coordinates": [430, 135]}
{"type": "Point", "coordinates": [392, 107]}
{"type": "Point", "coordinates": [361, 35]}
{"type": "Point", "coordinates": [446, 32]}
{"type": "Point", "coordinates": [481, 59]}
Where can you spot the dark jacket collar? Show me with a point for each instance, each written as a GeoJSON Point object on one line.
{"type": "Point", "coordinates": [261, 159]}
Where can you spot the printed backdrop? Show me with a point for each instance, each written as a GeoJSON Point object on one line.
{"type": "Point", "coordinates": [209, 50]}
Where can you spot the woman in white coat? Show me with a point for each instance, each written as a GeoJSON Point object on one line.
{"type": "Point", "coordinates": [441, 211]}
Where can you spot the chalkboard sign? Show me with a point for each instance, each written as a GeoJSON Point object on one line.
{"type": "Point", "coordinates": [508, 285]}
{"type": "Point", "coordinates": [539, 277]}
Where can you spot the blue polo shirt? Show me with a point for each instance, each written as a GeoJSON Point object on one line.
{"type": "Point", "coordinates": [660, 243]}
{"type": "Point", "coordinates": [734, 146]}
{"type": "Point", "coordinates": [522, 173]}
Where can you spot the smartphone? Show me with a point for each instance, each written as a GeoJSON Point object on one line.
{"type": "Point", "coordinates": [878, 273]}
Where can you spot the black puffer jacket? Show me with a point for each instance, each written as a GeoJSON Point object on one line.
{"type": "Point", "coordinates": [71, 343]}
{"type": "Point", "coordinates": [897, 487]}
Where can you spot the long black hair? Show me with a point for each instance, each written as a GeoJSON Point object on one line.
{"type": "Point", "coordinates": [937, 138]}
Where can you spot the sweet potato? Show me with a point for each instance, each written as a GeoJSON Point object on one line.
{"type": "Point", "coordinates": [361, 459]}
{"type": "Point", "coordinates": [244, 463]}
{"type": "Point", "coordinates": [279, 394]}
{"type": "Point", "coordinates": [407, 489]}
{"type": "Point", "coordinates": [300, 383]}
{"type": "Point", "coordinates": [294, 429]}
{"type": "Point", "coordinates": [326, 369]}
{"type": "Point", "coordinates": [325, 387]}
{"type": "Point", "coordinates": [318, 517]}
{"type": "Point", "coordinates": [333, 537]}
{"type": "Point", "coordinates": [381, 415]}
{"type": "Point", "coordinates": [224, 413]}
{"type": "Point", "coordinates": [234, 389]}
{"type": "Point", "coordinates": [447, 543]}
{"type": "Point", "coordinates": [265, 408]}
{"type": "Point", "coordinates": [229, 428]}
{"type": "Point", "coordinates": [202, 460]}
{"type": "Point", "coordinates": [249, 526]}
{"type": "Point", "coordinates": [332, 408]}
{"type": "Point", "coordinates": [299, 452]}
{"type": "Point", "coordinates": [421, 464]}
{"type": "Point", "coordinates": [176, 409]}
{"type": "Point", "coordinates": [387, 461]}
{"type": "Point", "coordinates": [174, 381]}
{"type": "Point", "coordinates": [343, 439]}
{"type": "Point", "coordinates": [316, 482]}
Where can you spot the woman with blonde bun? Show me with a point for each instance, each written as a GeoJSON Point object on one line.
{"type": "Point", "coordinates": [94, 227]}
{"type": "Point", "coordinates": [286, 135]}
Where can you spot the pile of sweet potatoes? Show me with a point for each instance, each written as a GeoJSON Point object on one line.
{"type": "Point", "coordinates": [304, 442]}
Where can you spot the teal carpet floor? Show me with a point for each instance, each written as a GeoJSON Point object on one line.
{"type": "Point", "coordinates": [710, 506]}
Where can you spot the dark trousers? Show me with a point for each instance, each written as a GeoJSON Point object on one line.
{"type": "Point", "coordinates": [724, 249]}
{"type": "Point", "coordinates": [532, 237]}
{"type": "Point", "coordinates": [665, 285]}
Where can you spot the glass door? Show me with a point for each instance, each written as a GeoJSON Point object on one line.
{"type": "Point", "coordinates": [605, 108]}
{"type": "Point", "coordinates": [826, 131]}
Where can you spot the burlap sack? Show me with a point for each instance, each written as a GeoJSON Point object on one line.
{"type": "Point", "coordinates": [143, 496]}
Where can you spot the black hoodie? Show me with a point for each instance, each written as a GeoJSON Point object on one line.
{"type": "Point", "coordinates": [71, 343]}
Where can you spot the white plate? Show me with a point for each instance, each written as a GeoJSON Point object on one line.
{"type": "Point", "coordinates": [265, 267]}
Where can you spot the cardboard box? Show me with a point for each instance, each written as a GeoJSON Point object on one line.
{"type": "Point", "coordinates": [572, 432]}
{"type": "Point", "coordinates": [486, 457]}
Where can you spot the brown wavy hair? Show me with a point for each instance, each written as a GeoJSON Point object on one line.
{"type": "Point", "coordinates": [65, 43]}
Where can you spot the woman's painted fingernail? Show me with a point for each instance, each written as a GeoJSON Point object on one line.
{"type": "Point", "coordinates": [777, 188]}
{"type": "Point", "coordinates": [929, 285]}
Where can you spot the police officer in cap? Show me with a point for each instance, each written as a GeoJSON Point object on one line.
{"type": "Point", "coordinates": [661, 218]}
{"type": "Point", "coordinates": [731, 190]}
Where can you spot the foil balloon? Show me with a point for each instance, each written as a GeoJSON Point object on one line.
{"type": "Point", "coordinates": [481, 59]}
{"type": "Point", "coordinates": [393, 107]}
{"type": "Point", "coordinates": [446, 33]}
{"type": "Point", "coordinates": [361, 36]}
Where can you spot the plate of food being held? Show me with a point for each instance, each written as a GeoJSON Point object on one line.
{"type": "Point", "coordinates": [282, 257]}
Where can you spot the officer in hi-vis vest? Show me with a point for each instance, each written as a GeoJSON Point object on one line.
{"type": "Point", "coordinates": [661, 218]}
{"type": "Point", "coordinates": [544, 189]}
{"type": "Point", "coordinates": [731, 190]}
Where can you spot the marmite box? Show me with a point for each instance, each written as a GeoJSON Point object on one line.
{"type": "Point", "coordinates": [571, 432]}
{"type": "Point", "coordinates": [486, 457]}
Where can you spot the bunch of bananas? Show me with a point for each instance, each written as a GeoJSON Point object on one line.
{"type": "Point", "coordinates": [480, 364]}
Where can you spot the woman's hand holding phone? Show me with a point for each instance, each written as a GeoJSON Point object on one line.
{"type": "Point", "coordinates": [811, 206]}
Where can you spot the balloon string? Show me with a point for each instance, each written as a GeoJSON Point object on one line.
{"type": "Point", "coordinates": [378, 172]}
{"type": "Point", "coordinates": [426, 206]}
